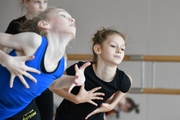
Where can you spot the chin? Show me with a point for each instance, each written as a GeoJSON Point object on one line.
{"type": "Point", "coordinates": [73, 36]}
{"type": "Point", "coordinates": [117, 62]}
{"type": "Point", "coordinates": [73, 33]}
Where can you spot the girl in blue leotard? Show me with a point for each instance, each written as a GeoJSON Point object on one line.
{"type": "Point", "coordinates": [55, 28]}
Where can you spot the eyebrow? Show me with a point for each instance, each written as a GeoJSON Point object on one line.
{"type": "Point", "coordinates": [61, 11]}
{"type": "Point", "coordinates": [117, 43]}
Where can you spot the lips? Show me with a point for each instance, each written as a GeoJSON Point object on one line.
{"type": "Point", "coordinates": [116, 56]}
{"type": "Point", "coordinates": [73, 25]}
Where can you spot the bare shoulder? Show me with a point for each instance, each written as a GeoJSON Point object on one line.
{"type": "Point", "coordinates": [32, 39]}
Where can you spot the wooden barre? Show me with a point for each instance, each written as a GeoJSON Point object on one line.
{"type": "Point", "coordinates": [154, 91]}
{"type": "Point", "coordinates": [157, 58]}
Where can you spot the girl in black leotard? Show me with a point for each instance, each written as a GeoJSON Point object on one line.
{"type": "Point", "coordinates": [82, 103]}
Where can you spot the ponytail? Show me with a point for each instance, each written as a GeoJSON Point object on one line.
{"type": "Point", "coordinates": [133, 105]}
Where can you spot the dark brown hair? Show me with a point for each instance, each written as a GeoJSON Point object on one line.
{"type": "Point", "coordinates": [100, 36]}
{"type": "Point", "coordinates": [133, 105]}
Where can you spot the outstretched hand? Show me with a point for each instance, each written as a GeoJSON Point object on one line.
{"type": "Point", "coordinates": [88, 96]}
{"type": "Point", "coordinates": [16, 66]}
{"type": "Point", "coordinates": [79, 77]}
{"type": "Point", "coordinates": [105, 107]}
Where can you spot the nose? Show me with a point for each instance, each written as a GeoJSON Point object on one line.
{"type": "Point", "coordinates": [118, 50]}
{"type": "Point", "coordinates": [42, 6]}
{"type": "Point", "coordinates": [72, 20]}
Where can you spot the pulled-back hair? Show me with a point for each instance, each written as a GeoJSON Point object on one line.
{"type": "Point", "coordinates": [133, 105]}
{"type": "Point", "coordinates": [32, 25]}
{"type": "Point", "coordinates": [22, 5]}
{"type": "Point", "coordinates": [100, 36]}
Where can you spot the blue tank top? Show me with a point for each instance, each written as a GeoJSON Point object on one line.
{"type": "Point", "coordinates": [13, 100]}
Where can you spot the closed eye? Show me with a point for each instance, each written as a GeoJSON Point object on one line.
{"type": "Point", "coordinates": [113, 46]}
{"type": "Point", "coordinates": [63, 16]}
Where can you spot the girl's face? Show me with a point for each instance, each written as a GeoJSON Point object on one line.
{"type": "Point", "coordinates": [63, 23]}
{"type": "Point", "coordinates": [112, 49]}
{"type": "Point", "coordinates": [34, 7]}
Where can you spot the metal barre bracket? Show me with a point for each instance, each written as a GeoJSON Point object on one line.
{"type": "Point", "coordinates": [136, 90]}
{"type": "Point", "coordinates": [136, 57]}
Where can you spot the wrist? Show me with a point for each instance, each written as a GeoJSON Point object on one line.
{"type": "Point", "coordinates": [3, 59]}
{"type": "Point", "coordinates": [77, 100]}
{"type": "Point", "coordinates": [110, 107]}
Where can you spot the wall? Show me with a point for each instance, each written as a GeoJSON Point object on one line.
{"type": "Point", "coordinates": [152, 28]}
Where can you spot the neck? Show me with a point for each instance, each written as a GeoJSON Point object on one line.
{"type": "Point", "coordinates": [56, 46]}
{"type": "Point", "coordinates": [29, 16]}
{"type": "Point", "coordinates": [104, 71]}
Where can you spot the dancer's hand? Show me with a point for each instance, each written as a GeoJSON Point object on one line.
{"type": "Point", "coordinates": [87, 96]}
{"type": "Point", "coordinates": [105, 107]}
{"type": "Point", "coordinates": [79, 77]}
{"type": "Point", "coordinates": [16, 66]}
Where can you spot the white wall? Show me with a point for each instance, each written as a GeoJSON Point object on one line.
{"type": "Point", "coordinates": [152, 28]}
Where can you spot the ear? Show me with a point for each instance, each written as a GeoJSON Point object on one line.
{"type": "Point", "coordinates": [25, 2]}
{"type": "Point", "coordinates": [43, 25]}
{"type": "Point", "coordinates": [97, 49]}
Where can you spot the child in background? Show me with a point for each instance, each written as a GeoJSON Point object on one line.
{"type": "Point", "coordinates": [126, 105]}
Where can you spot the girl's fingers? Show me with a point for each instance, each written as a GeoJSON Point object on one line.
{"type": "Point", "coordinates": [23, 81]}
{"type": "Point", "coordinates": [71, 87]}
{"type": "Point", "coordinates": [30, 77]}
{"type": "Point", "coordinates": [89, 115]}
{"type": "Point", "coordinates": [26, 58]}
{"type": "Point", "coordinates": [85, 65]}
{"type": "Point", "coordinates": [96, 89]}
{"type": "Point", "coordinates": [76, 82]}
{"type": "Point", "coordinates": [99, 94]}
{"type": "Point", "coordinates": [76, 67]}
{"type": "Point", "coordinates": [11, 81]}
{"type": "Point", "coordinates": [93, 103]}
{"type": "Point", "coordinates": [30, 69]}
{"type": "Point", "coordinates": [97, 98]}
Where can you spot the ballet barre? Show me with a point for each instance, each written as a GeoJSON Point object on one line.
{"type": "Point", "coordinates": [154, 91]}
{"type": "Point", "coordinates": [156, 58]}
{"type": "Point", "coordinates": [142, 59]}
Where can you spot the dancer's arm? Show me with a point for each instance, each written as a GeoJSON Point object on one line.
{"type": "Point", "coordinates": [105, 107]}
{"type": "Point", "coordinates": [67, 81]}
{"type": "Point", "coordinates": [16, 65]}
{"type": "Point", "coordinates": [82, 97]}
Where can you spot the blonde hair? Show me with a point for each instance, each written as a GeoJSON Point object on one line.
{"type": "Point", "coordinates": [32, 25]}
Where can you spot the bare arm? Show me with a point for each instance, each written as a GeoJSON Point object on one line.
{"type": "Point", "coordinates": [71, 81]}
{"type": "Point", "coordinates": [26, 42]}
{"type": "Point", "coordinates": [64, 81]}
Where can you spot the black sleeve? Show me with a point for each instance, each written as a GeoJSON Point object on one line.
{"type": "Point", "coordinates": [71, 70]}
{"type": "Point", "coordinates": [125, 83]}
{"type": "Point", "coordinates": [13, 28]}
